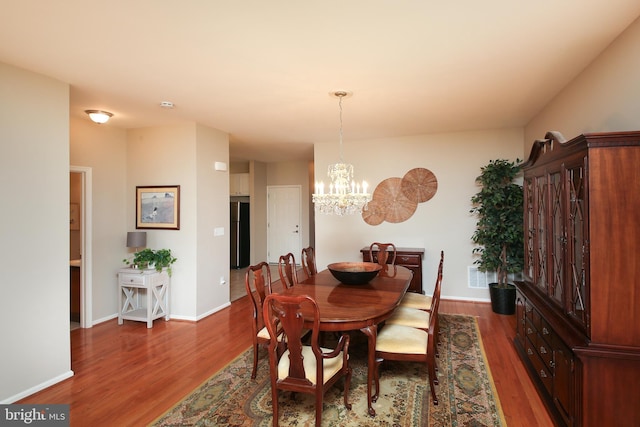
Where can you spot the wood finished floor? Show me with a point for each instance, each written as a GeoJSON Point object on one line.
{"type": "Point", "coordinates": [129, 375]}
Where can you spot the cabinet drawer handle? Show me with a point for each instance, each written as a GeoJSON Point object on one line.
{"type": "Point", "coordinates": [529, 331]}
{"type": "Point", "coordinates": [545, 331]}
{"type": "Point", "coordinates": [552, 364]}
{"type": "Point", "coordinates": [542, 374]}
{"type": "Point", "coordinates": [131, 280]}
{"type": "Point", "coordinates": [529, 352]}
{"type": "Point", "coordinates": [543, 350]}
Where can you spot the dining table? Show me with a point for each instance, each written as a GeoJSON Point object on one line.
{"type": "Point", "coordinates": [361, 307]}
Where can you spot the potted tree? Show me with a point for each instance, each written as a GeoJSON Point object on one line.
{"type": "Point", "coordinates": [499, 231]}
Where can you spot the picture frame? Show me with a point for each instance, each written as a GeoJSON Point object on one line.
{"type": "Point", "coordinates": [158, 207]}
{"type": "Point", "coordinates": [74, 216]}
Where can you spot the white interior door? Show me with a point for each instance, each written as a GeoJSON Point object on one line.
{"type": "Point", "coordinates": [284, 219]}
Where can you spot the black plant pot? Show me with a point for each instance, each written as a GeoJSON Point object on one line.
{"type": "Point", "coordinates": [503, 299]}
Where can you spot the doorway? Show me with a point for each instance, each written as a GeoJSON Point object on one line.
{"type": "Point", "coordinates": [284, 217]}
{"type": "Point", "coordinates": [82, 248]}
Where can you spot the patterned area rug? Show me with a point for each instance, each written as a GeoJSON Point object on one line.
{"type": "Point", "coordinates": [466, 393]}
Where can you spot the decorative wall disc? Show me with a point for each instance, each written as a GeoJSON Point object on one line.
{"type": "Point", "coordinates": [374, 213]}
{"type": "Point", "coordinates": [396, 199]}
{"type": "Point", "coordinates": [419, 185]}
{"type": "Point", "coordinates": [398, 207]}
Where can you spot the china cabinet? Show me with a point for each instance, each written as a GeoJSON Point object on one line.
{"type": "Point", "coordinates": [578, 307]}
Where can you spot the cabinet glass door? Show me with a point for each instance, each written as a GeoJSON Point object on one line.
{"type": "Point", "coordinates": [558, 244]}
{"type": "Point", "coordinates": [529, 227]}
{"type": "Point", "coordinates": [542, 197]}
{"type": "Point", "coordinates": [577, 250]}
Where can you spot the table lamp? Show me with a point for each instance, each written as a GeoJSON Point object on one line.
{"type": "Point", "coordinates": [136, 239]}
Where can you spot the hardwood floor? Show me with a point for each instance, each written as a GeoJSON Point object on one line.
{"type": "Point", "coordinates": [129, 375]}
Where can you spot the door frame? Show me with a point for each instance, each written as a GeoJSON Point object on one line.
{"type": "Point", "coordinates": [86, 284]}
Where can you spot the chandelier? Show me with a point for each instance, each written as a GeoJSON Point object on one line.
{"type": "Point", "coordinates": [343, 196]}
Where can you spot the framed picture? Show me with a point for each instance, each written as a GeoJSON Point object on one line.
{"type": "Point", "coordinates": [158, 207]}
{"type": "Point", "coordinates": [74, 216]}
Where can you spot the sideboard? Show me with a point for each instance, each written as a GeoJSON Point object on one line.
{"type": "Point", "coordinates": [406, 257]}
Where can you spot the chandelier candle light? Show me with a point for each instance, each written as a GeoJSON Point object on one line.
{"type": "Point", "coordinates": [344, 196]}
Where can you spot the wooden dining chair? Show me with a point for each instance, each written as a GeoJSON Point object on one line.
{"type": "Point", "coordinates": [294, 366]}
{"type": "Point", "coordinates": [308, 261]}
{"type": "Point", "coordinates": [258, 285]}
{"type": "Point", "coordinates": [386, 253]}
{"type": "Point", "coordinates": [287, 270]}
{"type": "Point", "coordinates": [404, 343]}
{"type": "Point", "coordinates": [420, 301]}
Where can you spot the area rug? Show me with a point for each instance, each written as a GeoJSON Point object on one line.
{"type": "Point", "coordinates": [466, 393]}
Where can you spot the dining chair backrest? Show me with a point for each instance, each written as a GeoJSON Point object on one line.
{"type": "Point", "coordinates": [287, 270]}
{"type": "Point", "coordinates": [308, 261]}
{"type": "Point", "coordinates": [435, 302]}
{"type": "Point", "coordinates": [285, 317]}
{"type": "Point", "coordinates": [257, 283]}
{"type": "Point", "coordinates": [386, 253]}
{"type": "Point", "coordinates": [437, 288]}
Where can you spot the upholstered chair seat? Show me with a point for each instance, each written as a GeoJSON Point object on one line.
{"type": "Point", "coordinates": [417, 301]}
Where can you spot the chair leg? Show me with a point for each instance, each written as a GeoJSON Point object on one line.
{"type": "Point", "coordinates": [432, 381]}
{"type": "Point", "coordinates": [347, 384]}
{"type": "Point", "coordinates": [319, 393]}
{"type": "Point", "coordinates": [255, 361]}
{"type": "Point", "coordinates": [274, 403]}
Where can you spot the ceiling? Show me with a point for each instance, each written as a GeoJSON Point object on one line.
{"type": "Point", "coordinates": [264, 71]}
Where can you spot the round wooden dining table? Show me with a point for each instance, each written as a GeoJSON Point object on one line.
{"type": "Point", "coordinates": [356, 307]}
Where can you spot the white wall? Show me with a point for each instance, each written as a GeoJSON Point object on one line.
{"type": "Point", "coordinates": [604, 97]}
{"type": "Point", "coordinates": [212, 212]}
{"type": "Point", "coordinates": [103, 149]}
{"type": "Point", "coordinates": [184, 155]}
{"type": "Point", "coordinates": [258, 212]}
{"type": "Point", "coordinates": [34, 231]}
{"type": "Point", "coordinates": [442, 223]}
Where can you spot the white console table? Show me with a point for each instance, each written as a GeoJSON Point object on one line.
{"type": "Point", "coordinates": [143, 295]}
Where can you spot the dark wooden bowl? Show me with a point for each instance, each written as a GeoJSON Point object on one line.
{"type": "Point", "coordinates": [354, 273]}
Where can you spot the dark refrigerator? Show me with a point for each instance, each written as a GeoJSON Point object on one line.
{"type": "Point", "coordinates": [239, 234]}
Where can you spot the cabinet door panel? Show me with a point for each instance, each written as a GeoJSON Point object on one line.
{"type": "Point", "coordinates": [578, 249]}
{"type": "Point", "coordinates": [563, 381]}
{"type": "Point", "coordinates": [541, 202]}
{"type": "Point", "coordinates": [558, 244]}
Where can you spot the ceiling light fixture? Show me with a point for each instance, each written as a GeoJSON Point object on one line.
{"type": "Point", "coordinates": [99, 116]}
{"type": "Point", "coordinates": [344, 196]}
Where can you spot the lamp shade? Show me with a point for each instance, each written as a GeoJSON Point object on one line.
{"type": "Point", "coordinates": [136, 239]}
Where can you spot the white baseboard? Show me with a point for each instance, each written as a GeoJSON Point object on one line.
{"type": "Point", "coordinates": [203, 315]}
{"type": "Point", "coordinates": [442, 297]}
{"type": "Point", "coordinates": [37, 388]}
{"type": "Point", "coordinates": [104, 319]}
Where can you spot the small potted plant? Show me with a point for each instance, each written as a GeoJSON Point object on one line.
{"type": "Point", "coordinates": [164, 259]}
{"type": "Point", "coordinates": [499, 230]}
{"type": "Point", "coordinates": [149, 258]}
